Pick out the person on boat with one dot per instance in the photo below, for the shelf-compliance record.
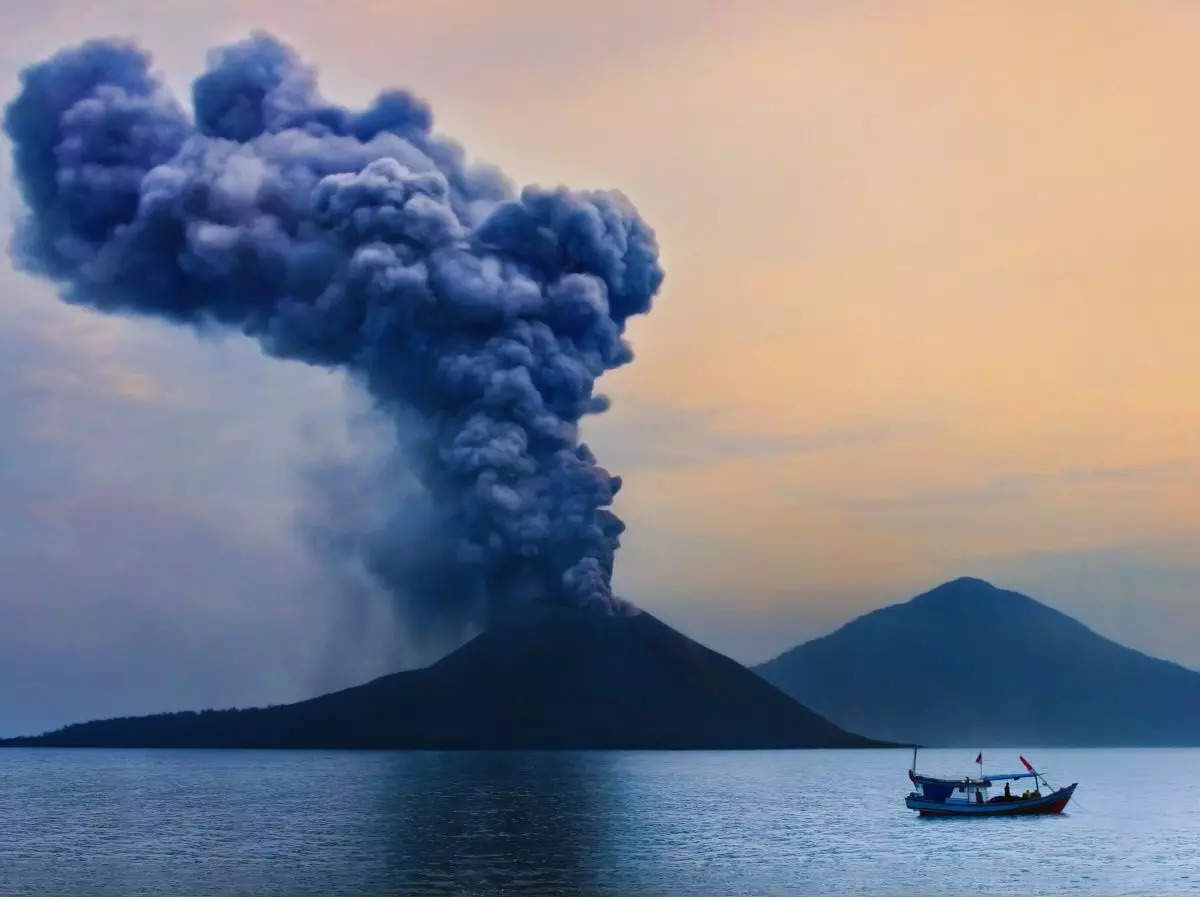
(1007, 791)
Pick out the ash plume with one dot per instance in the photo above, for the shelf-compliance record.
(478, 318)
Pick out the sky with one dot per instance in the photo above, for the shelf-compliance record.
(930, 311)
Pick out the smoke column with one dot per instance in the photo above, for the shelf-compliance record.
(477, 318)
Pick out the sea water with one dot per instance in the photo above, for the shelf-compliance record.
(765, 822)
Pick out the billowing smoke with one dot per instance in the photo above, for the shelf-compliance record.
(477, 318)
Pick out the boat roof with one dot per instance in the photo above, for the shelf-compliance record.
(957, 782)
(985, 781)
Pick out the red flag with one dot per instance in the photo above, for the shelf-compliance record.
(1026, 762)
(979, 759)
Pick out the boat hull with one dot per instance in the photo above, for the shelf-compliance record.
(1051, 804)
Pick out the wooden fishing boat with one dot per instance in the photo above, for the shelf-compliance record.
(969, 796)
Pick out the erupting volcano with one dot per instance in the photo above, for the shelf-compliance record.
(477, 317)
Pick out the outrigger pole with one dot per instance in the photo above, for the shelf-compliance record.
(1037, 776)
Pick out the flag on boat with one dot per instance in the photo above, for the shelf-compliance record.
(1026, 763)
(979, 759)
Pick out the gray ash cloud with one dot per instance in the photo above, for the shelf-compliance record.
(477, 317)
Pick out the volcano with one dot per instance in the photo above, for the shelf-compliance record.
(970, 664)
(556, 679)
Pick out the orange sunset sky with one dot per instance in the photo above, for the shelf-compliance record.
(931, 309)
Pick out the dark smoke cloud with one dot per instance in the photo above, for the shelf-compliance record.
(477, 318)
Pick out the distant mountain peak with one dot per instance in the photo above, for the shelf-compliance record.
(968, 591)
(967, 597)
(963, 583)
(969, 663)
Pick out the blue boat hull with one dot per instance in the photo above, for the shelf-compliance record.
(1050, 804)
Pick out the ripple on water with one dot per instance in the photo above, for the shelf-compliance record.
(770, 822)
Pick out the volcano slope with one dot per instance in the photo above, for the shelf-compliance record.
(557, 679)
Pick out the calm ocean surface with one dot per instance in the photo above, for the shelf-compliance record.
(801, 822)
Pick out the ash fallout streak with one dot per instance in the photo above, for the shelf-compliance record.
(477, 317)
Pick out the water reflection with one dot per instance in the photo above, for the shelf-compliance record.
(486, 823)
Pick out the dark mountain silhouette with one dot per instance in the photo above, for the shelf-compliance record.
(559, 679)
(968, 664)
